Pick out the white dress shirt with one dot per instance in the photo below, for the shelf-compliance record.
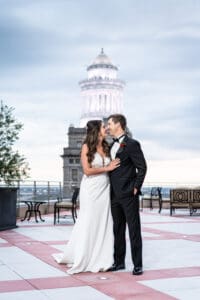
(115, 147)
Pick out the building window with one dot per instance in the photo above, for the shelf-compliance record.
(79, 144)
(77, 161)
(71, 161)
(74, 175)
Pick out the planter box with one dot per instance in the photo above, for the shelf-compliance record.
(8, 201)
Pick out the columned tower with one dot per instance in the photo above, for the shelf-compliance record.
(102, 92)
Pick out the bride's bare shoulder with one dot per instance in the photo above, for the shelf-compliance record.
(84, 148)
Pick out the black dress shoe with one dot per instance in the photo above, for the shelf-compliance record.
(137, 271)
(116, 267)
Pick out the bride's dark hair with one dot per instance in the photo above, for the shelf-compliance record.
(92, 138)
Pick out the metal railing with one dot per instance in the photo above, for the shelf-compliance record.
(167, 186)
(49, 191)
(37, 190)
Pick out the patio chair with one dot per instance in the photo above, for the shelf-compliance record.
(65, 204)
(195, 200)
(179, 198)
(156, 195)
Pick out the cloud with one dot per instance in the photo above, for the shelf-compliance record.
(173, 172)
(47, 45)
(169, 124)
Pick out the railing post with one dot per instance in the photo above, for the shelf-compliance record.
(60, 189)
(18, 191)
(18, 199)
(34, 190)
(48, 195)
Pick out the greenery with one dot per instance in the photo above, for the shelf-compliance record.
(13, 166)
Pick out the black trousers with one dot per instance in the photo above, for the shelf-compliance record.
(126, 210)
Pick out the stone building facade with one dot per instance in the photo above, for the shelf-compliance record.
(72, 170)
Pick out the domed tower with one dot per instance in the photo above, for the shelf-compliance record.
(102, 92)
(102, 95)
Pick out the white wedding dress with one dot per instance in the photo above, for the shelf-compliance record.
(91, 244)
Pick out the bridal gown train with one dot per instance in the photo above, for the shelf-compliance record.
(91, 244)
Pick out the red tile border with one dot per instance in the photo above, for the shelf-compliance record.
(95, 278)
(98, 278)
(2, 245)
(14, 286)
(120, 285)
(39, 284)
(123, 285)
(52, 243)
(55, 282)
(130, 290)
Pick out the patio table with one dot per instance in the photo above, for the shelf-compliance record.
(33, 208)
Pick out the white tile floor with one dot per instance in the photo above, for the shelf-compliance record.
(168, 254)
(181, 288)
(24, 295)
(13, 254)
(59, 247)
(57, 233)
(76, 293)
(2, 241)
(149, 234)
(7, 274)
(182, 228)
(164, 217)
(36, 270)
(80, 293)
(26, 265)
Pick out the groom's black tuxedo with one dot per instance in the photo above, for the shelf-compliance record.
(124, 204)
(132, 168)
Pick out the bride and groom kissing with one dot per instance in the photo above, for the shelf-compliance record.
(109, 199)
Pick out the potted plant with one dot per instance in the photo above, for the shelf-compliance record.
(13, 166)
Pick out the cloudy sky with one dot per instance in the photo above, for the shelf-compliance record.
(45, 47)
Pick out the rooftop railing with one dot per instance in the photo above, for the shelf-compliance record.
(48, 191)
(167, 186)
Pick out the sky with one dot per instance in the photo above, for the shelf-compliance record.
(46, 46)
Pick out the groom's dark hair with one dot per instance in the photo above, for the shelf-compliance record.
(117, 118)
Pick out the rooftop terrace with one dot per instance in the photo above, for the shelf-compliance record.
(171, 262)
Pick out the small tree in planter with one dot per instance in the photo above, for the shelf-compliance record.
(13, 166)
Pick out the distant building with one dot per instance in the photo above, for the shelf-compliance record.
(102, 95)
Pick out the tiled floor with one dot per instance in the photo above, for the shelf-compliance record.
(171, 251)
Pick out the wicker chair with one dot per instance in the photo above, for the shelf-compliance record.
(180, 198)
(195, 200)
(66, 205)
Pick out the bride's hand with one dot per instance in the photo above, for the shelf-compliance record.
(113, 164)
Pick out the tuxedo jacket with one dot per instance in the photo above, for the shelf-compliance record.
(131, 172)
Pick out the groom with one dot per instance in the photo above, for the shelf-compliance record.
(126, 182)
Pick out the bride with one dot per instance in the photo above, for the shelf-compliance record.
(91, 244)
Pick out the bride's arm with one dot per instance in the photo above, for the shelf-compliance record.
(88, 170)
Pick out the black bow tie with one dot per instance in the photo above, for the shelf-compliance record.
(117, 139)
